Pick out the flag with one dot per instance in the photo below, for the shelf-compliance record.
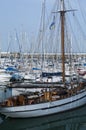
(52, 26)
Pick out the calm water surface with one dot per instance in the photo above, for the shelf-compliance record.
(73, 120)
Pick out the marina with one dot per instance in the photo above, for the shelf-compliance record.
(46, 85)
(62, 89)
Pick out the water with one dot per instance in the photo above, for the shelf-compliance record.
(72, 120)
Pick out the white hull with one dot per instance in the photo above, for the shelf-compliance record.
(43, 109)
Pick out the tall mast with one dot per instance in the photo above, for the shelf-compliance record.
(62, 16)
(43, 31)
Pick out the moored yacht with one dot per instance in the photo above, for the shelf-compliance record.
(53, 97)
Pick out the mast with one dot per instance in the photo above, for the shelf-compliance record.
(43, 33)
(62, 16)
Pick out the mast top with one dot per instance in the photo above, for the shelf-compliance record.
(62, 5)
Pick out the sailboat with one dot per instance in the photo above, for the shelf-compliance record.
(53, 98)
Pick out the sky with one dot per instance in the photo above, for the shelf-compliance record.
(23, 15)
(18, 14)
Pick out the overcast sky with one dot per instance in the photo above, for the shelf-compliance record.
(17, 14)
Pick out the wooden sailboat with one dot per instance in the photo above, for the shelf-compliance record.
(53, 98)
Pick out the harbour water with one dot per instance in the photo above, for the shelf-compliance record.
(71, 120)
